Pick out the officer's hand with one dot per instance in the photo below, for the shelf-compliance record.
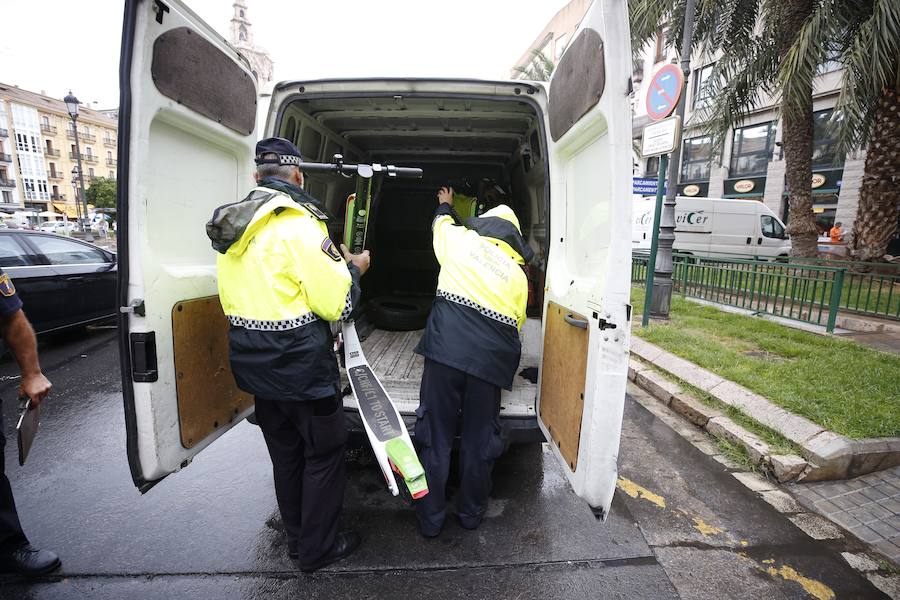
(445, 195)
(35, 386)
(361, 260)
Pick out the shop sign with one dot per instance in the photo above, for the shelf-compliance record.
(691, 190)
(818, 180)
(744, 185)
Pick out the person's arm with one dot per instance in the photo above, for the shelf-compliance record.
(19, 336)
(446, 234)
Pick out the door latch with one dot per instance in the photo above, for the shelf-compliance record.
(604, 324)
(136, 307)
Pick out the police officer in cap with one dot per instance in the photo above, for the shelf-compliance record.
(281, 281)
(472, 349)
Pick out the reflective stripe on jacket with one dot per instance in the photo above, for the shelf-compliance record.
(281, 280)
(480, 303)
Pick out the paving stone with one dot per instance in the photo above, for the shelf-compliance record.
(754, 482)
(886, 530)
(845, 520)
(659, 387)
(844, 503)
(860, 562)
(816, 527)
(692, 409)
(866, 534)
(891, 505)
(782, 501)
(892, 551)
(827, 507)
(687, 371)
(787, 467)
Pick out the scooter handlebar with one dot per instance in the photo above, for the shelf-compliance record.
(362, 170)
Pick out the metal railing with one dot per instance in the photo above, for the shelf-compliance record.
(90, 158)
(9, 183)
(82, 136)
(5, 157)
(813, 293)
(57, 196)
(111, 162)
(48, 129)
(55, 175)
(109, 141)
(4, 132)
(53, 152)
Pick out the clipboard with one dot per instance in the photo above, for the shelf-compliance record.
(27, 427)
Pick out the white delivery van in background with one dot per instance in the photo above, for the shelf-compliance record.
(716, 227)
(560, 153)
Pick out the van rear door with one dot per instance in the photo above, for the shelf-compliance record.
(187, 127)
(587, 312)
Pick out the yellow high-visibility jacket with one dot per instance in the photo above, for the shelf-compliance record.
(281, 280)
(482, 295)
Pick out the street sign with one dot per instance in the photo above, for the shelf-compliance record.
(664, 91)
(661, 137)
(644, 185)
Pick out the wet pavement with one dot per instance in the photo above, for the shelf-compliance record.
(681, 525)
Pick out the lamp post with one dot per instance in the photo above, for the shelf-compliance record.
(72, 106)
(75, 194)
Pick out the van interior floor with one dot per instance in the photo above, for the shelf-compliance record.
(391, 355)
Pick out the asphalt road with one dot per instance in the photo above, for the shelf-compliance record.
(685, 528)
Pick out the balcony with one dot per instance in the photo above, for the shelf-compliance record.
(51, 152)
(7, 183)
(109, 141)
(5, 157)
(111, 162)
(48, 129)
(55, 175)
(88, 158)
(82, 136)
(58, 197)
(4, 132)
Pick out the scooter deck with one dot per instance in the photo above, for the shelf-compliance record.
(383, 424)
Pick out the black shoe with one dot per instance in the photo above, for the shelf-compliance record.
(344, 545)
(28, 561)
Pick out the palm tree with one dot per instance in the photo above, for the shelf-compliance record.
(540, 68)
(865, 36)
(753, 37)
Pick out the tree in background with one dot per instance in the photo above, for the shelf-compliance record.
(102, 193)
(864, 35)
(540, 69)
(754, 36)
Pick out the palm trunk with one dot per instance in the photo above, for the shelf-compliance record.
(797, 140)
(879, 195)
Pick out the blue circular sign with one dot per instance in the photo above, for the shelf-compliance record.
(664, 91)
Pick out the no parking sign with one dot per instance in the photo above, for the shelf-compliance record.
(664, 91)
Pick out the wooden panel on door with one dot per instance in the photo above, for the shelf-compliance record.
(563, 375)
(207, 395)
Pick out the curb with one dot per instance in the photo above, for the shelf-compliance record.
(828, 455)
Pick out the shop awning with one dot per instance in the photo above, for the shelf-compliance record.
(70, 210)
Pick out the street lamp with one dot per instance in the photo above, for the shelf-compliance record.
(72, 106)
(75, 194)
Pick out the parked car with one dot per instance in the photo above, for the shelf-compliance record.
(62, 282)
(61, 227)
(560, 154)
(718, 227)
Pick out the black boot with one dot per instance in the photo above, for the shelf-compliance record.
(344, 545)
(28, 561)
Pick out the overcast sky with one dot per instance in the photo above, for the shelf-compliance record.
(306, 39)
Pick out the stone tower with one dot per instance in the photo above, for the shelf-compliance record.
(242, 39)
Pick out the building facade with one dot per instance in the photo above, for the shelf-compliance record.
(37, 151)
(242, 39)
(751, 162)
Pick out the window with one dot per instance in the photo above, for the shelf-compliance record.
(771, 228)
(52, 169)
(108, 155)
(696, 159)
(559, 46)
(652, 169)
(752, 150)
(7, 196)
(701, 93)
(660, 53)
(12, 254)
(22, 142)
(87, 130)
(91, 172)
(112, 175)
(60, 251)
(89, 152)
(825, 140)
(243, 34)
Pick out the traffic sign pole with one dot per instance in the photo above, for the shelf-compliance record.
(654, 240)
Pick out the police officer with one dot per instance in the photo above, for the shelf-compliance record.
(471, 347)
(16, 553)
(281, 281)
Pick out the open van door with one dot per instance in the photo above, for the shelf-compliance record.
(587, 312)
(187, 128)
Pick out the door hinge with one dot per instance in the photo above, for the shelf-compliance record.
(604, 324)
(136, 307)
(160, 7)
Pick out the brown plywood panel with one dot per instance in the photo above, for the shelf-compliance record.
(208, 398)
(563, 374)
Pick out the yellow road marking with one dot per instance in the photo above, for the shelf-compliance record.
(704, 527)
(814, 588)
(636, 491)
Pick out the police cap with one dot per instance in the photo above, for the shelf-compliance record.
(286, 151)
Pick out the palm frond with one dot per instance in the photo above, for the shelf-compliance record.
(646, 17)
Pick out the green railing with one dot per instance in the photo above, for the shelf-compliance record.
(813, 293)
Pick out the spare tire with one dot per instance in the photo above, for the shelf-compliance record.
(399, 313)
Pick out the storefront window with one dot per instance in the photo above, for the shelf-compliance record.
(752, 150)
(825, 141)
(696, 159)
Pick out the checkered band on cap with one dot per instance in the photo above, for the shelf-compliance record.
(283, 325)
(487, 312)
(287, 159)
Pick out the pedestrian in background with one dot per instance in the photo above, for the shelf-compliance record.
(837, 233)
(281, 281)
(17, 555)
(472, 349)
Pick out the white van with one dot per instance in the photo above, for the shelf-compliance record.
(188, 127)
(720, 227)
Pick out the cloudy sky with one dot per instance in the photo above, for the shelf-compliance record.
(307, 39)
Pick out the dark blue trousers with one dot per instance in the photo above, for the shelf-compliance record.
(10, 529)
(451, 402)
